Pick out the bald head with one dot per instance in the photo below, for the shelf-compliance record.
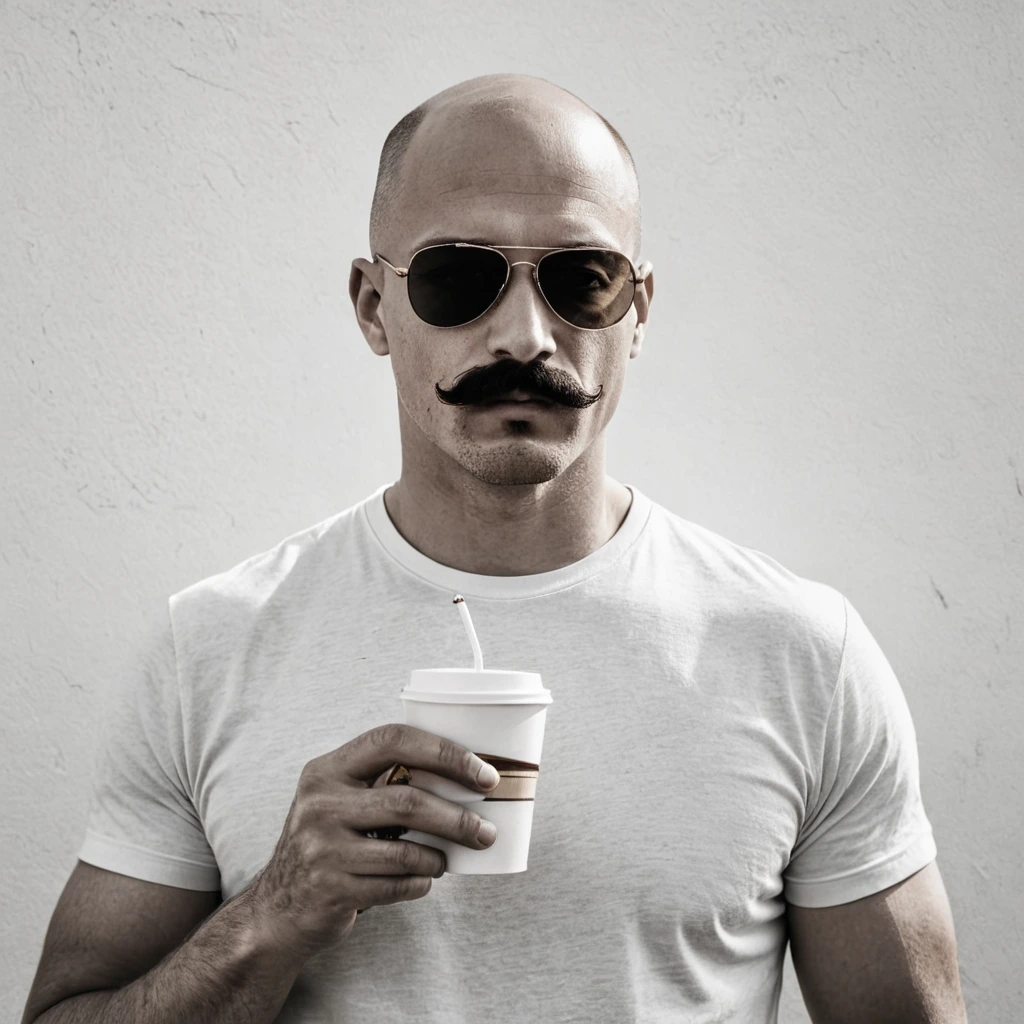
(515, 119)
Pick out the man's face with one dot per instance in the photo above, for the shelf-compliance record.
(553, 181)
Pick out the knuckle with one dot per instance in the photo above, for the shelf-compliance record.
(456, 759)
(398, 887)
(387, 737)
(309, 775)
(401, 856)
(404, 799)
(469, 823)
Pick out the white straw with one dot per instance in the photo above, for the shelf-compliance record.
(478, 658)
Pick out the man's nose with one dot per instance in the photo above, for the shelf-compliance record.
(522, 323)
(521, 306)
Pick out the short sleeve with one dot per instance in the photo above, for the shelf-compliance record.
(142, 821)
(867, 829)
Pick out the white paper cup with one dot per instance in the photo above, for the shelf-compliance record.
(500, 716)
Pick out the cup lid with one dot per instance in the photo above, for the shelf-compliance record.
(468, 686)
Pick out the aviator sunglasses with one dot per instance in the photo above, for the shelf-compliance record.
(455, 283)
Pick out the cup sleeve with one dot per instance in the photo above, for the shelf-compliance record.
(142, 821)
(866, 826)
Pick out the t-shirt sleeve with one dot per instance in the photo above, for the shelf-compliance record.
(867, 828)
(142, 821)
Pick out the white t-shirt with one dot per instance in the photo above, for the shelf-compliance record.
(764, 752)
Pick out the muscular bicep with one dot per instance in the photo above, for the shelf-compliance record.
(888, 957)
(109, 929)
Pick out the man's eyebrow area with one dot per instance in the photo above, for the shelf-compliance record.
(487, 241)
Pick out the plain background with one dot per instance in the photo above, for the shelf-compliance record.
(832, 373)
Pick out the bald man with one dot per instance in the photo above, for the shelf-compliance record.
(729, 761)
(489, 489)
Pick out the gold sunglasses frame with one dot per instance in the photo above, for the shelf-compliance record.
(548, 251)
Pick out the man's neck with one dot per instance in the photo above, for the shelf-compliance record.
(486, 533)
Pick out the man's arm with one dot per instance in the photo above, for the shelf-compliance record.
(228, 971)
(889, 958)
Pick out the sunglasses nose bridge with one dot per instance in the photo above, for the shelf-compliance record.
(512, 266)
(533, 274)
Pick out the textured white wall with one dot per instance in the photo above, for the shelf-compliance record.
(833, 371)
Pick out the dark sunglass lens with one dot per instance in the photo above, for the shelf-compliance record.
(449, 286)
(590, 288)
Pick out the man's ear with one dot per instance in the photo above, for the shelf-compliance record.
(364, 283)
(644, 296)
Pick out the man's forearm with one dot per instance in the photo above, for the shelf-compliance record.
(226, 972)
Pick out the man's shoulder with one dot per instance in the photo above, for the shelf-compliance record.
(740, 580)
(239, 592)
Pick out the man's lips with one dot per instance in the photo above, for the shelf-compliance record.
(517, 397)
(521, 409)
